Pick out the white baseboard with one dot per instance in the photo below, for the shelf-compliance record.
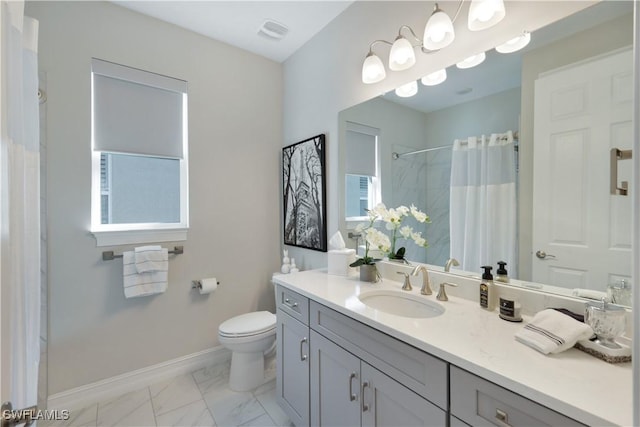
(88, 394)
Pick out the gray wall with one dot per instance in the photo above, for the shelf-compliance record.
(601, 39)
(235, 136)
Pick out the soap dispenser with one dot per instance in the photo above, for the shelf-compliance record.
(501, 272)
(487, 297)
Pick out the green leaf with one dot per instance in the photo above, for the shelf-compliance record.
(358, 262)
(400, 252)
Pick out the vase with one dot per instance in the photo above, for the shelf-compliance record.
(368, 273)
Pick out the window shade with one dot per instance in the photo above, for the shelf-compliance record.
(361, 154)
(136, 111)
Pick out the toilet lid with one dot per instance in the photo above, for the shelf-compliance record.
(248, 324)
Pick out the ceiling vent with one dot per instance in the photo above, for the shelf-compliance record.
(273, 30)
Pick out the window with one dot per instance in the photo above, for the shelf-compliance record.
(362, 179)
(139, 155)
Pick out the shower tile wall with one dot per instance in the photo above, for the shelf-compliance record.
(42, 369)
(423, 179)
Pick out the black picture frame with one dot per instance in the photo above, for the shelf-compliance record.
(304, 194)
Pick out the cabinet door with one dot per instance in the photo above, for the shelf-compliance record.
(292, 384)
(335, 384)
(386, 402)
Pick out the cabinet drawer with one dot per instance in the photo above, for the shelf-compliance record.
(479, 402)
(293, 304)
(424, 374)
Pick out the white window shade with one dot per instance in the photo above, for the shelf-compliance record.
(136, 111)
(361, 154)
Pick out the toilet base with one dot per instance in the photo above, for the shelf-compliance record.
(247, 371)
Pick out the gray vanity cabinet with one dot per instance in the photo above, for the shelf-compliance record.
(292, 383)
(346, 391)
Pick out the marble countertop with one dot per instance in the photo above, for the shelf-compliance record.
(572, 383)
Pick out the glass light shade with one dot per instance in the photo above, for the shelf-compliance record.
(410, 89)
(402, 56)
(485, 14)
(472, 61)
(373, 69)
(515, 43)
(435, 78)
(438, 33)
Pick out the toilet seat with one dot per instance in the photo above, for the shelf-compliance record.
(249, 324)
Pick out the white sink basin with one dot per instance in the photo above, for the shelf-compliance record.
(401, 303)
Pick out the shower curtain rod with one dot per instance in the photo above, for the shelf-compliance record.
(396, 156)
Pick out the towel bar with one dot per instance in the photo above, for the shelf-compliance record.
(110, 256)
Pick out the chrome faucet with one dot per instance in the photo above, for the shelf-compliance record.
(407, 283)
(450, 262)
(426, 284)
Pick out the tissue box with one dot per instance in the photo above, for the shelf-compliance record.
(339, 260)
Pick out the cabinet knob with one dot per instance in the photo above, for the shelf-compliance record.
(365, 407)
(303, 356)
(352, 395)
(503, 417)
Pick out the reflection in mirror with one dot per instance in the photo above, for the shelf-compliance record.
(568, 97)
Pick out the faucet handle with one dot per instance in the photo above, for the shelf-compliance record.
(407, 284)
(442, 295)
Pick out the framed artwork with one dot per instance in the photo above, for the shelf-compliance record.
(304, 194)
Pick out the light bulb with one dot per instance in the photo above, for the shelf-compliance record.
(438, 33)
(472, 61)
(407, 90)
(402, 56)
(484, 14)
(373, 69)
(434, 78)
(515, 43)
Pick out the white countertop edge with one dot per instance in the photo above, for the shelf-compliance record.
(573, 410)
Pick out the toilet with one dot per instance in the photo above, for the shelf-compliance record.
(250, 337)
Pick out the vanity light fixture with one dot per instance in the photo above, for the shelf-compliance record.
(435, 78)
(373, 69)
(407, 90)
(484, 14)
(472, 61)
(515, 43)
(438, 34)
(402, 56)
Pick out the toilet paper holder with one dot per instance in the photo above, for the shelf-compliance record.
(197, 284)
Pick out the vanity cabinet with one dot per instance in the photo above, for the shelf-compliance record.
(292, 361)
(346, 391)
(479, 402)
(360, 376)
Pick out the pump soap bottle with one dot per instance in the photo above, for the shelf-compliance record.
(501, 272)
(487, 299)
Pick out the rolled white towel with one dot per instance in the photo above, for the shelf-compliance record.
(590, 294)
(553, 332)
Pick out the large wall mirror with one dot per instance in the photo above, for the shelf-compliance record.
(567, 99)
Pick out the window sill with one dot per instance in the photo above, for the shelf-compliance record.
(132, 237)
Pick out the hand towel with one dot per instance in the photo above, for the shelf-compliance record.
(590, 294)
(141, 284)
(553, 332)
(151, 258)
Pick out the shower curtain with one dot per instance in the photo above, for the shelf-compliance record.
(482, 210)
(20, 200)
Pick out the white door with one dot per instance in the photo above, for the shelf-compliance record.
(581, 113)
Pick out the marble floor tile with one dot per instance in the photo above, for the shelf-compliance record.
(85, 417)
(230, 408)
(193, 414)
(268, 401)
(130, 409)
(212, 377)
(174, 393)
(262, 421)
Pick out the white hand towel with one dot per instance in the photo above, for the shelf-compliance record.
(589, 293)
(151, 258)
(553, 332)
(141, 284)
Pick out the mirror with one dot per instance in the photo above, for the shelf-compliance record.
(499, 96)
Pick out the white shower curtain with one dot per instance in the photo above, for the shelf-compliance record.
(20, 200)
(482, 211)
